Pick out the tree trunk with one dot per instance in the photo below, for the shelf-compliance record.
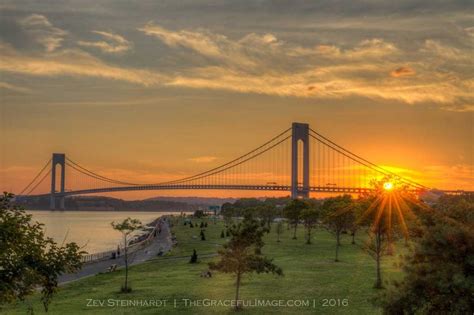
(237, 284)
(294, 231)
(337, 247)
(126, 264)
(308, 240)
(353, 237)
(378, 240)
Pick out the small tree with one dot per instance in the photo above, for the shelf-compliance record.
(292, 212)
(127, 227)
(279, 230)
(191, 225)
(203, 236)
(239, 256)
(194, 257)
(338, 216)
(310, 219)
(267, 214)
(29, 259)
(222, 234)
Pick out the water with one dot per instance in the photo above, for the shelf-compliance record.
(90, 229)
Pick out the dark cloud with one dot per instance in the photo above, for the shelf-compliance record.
(402, 72)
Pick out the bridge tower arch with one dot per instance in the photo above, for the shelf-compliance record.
(58, 159)
(300, 186)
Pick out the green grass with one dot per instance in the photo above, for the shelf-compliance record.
(310, 273)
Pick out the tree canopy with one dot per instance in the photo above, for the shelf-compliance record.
(29, 259)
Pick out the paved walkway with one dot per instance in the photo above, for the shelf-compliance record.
(162, 241)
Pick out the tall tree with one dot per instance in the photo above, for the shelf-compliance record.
(386, 213)
(292, 212)
(239, 256)
(29, 259)
(338, 216)
(439, 271)
(127, 227)
(310, 218)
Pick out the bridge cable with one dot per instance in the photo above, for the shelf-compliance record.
(226, 164)
(368, 164)
(42, 179)
(36, 177)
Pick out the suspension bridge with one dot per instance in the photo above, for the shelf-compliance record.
(298, 160)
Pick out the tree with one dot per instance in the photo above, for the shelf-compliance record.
(439, 270)
(385, 212)
(279, 230)
(222, 234)
(310, 218)
(239, 256)
(338, 216)
(194, 257)
(198, 214)
(203, 236)
(292, 212)
(227, 212)
(267, 214)
(29, 259)
(127, 227)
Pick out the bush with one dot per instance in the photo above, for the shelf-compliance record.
(194, 257)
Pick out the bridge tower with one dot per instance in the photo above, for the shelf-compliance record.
(300, 186)
(58, 158)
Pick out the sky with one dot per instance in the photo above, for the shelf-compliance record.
(152, 90)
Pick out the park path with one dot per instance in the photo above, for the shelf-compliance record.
(162, 242)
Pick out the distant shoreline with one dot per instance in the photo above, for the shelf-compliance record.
(114, 210)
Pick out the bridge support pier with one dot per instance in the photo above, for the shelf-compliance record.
(300, 186)
(58, 158)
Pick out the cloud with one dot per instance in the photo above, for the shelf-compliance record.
(117, 44)
(43, 32)
(200, 42)
(203, 159)
(11, 87)
(265, 64)
(72, 63)
(402, 72)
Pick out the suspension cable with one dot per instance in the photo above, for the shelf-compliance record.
(36, 177)
(364, 162)
(42, 179)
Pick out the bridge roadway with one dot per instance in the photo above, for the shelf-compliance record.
(329, 189)
(315, 189)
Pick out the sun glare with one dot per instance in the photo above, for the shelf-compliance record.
(388, 186)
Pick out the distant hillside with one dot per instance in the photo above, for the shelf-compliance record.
(209, 201)
(100, 203)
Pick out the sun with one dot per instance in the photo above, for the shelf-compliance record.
(388, 186)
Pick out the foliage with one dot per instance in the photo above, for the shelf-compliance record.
(292, 212)
(267, 213)
(338, 216)
(194, 257)
(28, 258)
(310, 218)
(439, 272)
(239, 256)
(127, 227)
(198, 214)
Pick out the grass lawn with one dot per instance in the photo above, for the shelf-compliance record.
(310, 274)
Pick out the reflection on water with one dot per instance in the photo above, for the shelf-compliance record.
(90, 229)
